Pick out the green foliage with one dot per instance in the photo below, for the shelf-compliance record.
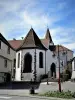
(66, 75)
(61, 94)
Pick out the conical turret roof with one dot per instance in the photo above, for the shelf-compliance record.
(31, 41)
(48, 36)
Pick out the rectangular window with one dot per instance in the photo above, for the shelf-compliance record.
(8, 51)
(18, 60)
(0, 44)
(5, 63)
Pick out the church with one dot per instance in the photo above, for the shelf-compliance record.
(37, 57)
(34, 57)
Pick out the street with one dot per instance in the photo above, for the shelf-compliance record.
(6, 97)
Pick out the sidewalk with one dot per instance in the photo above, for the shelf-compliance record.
(17, 93)
(42, 89)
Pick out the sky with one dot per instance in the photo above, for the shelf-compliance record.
(18, 16)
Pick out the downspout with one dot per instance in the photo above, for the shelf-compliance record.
(35, 66)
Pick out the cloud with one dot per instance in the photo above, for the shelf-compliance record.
(70, 45)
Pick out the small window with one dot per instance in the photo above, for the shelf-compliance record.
(18, 60)
(40, 60)
(8, 50)
(5, 63)
(0, 44)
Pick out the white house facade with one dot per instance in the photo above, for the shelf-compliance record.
(7, 56)
(73, 68)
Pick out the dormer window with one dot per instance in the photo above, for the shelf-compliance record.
(8, 50)
(0, 44)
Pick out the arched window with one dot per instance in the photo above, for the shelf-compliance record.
(40, 60)
(27, 63)
(18, 60)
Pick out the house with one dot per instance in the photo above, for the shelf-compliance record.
(65, 55)
(36, 57)
(7, 59)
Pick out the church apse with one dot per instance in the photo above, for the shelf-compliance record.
(27, 63)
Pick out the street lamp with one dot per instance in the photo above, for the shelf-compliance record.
(59, 82)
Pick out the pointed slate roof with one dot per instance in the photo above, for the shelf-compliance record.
(48, 36)
(31, 41)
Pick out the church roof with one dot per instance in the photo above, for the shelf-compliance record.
(31, 41)
(5, 41)
(48, 36)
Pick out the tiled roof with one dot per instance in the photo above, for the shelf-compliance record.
(31, 41)
(5, 41)
(15, 43)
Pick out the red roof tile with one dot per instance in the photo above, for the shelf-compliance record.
(15, 43)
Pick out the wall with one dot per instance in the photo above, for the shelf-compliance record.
(65, 57)
(18, 70)
(39, 71)
(9, 57)
(2, 67)
(73, 69)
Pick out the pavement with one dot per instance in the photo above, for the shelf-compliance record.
(43, 87)
(2, 97)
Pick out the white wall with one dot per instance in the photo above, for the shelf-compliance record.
(9, 57)
(39, 71)
(73, 69)
(26, 76)
(49, 60)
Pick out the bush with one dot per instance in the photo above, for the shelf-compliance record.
(58, 94)
(66, 75)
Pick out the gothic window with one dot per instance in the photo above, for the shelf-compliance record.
(40, 60)
(27, 63)
(18, 60)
